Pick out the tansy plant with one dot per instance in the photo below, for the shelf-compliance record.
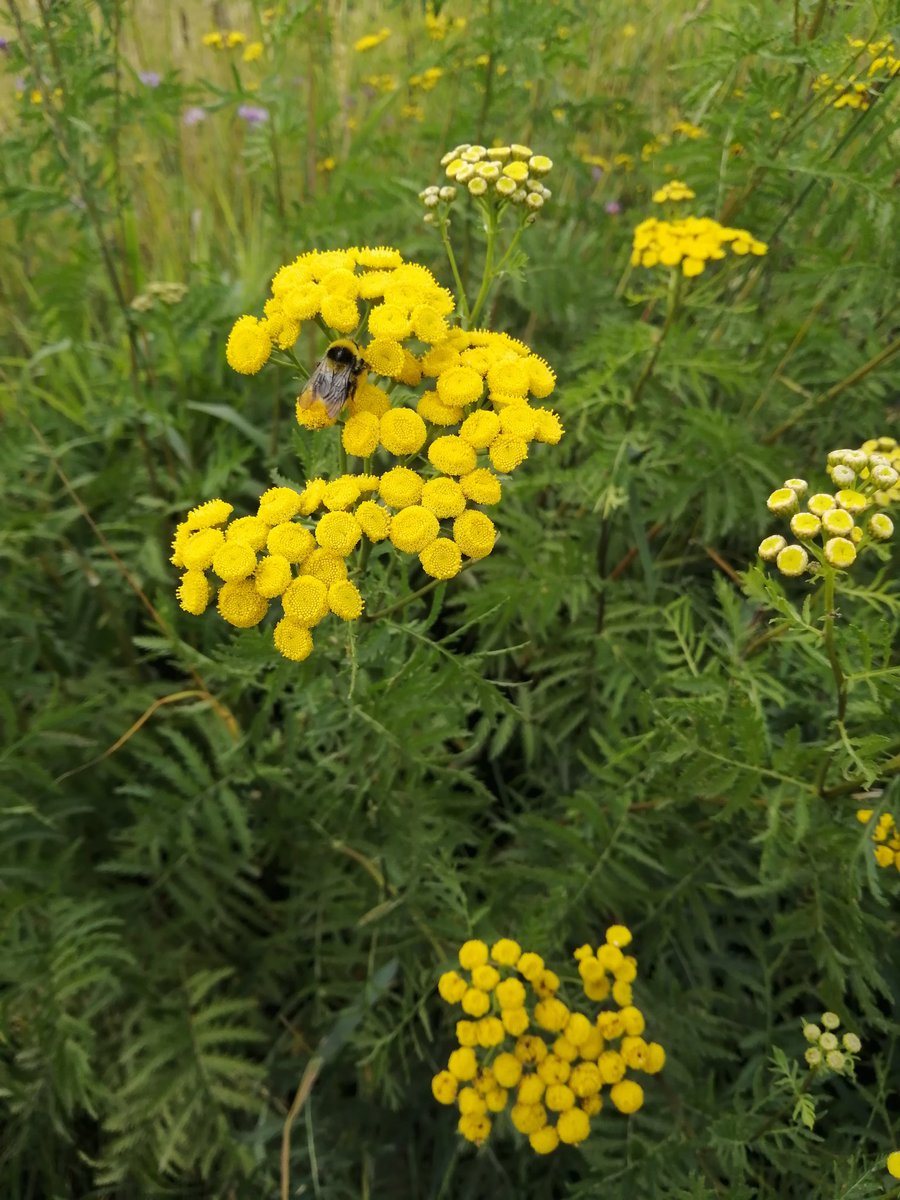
(526, 1053)
(432, 418)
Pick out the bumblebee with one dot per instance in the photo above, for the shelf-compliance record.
(338, 374)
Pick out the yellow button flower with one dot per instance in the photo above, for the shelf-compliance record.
(452, 455)
(528, 1118)
(234, 560)
(627, 1096)
(414, 528)
(325, 565)
(444, 497)
(213, 512)
(338, 531)
(374, 520)
(193, 592)
(251, 530)
(475, 535)
(200, 549)
(458, 386)
(400, 487)
(241, 605)
(249, 346)
(490, 1032)
(360, 434)
(443, 1087)
(279, 504)
(506, 952)
(480, 428)
(573, 1126)
(546, 1140)
(451, 987)
(272, 575)
(510, 993)
(291, 541)
(431, 408)
(462, 1064)
(306, 600)
(292, 639)
(792, 561)
(341, 493)
(840, 552)
(345, 601)
(515, 1021)
(507, 452)
(402, 431)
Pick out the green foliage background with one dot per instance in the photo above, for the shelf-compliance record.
(216, 868)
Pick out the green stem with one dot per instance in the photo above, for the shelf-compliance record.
(487, 277)
(402, 603)
(451, 258)
(672, 299)
(840, 682)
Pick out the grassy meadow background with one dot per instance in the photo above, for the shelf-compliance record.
(222, 873)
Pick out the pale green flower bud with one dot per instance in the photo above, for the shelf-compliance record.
(830, 1020)
(769, 549)
(812, 1032)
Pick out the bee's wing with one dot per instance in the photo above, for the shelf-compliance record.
(330, 383)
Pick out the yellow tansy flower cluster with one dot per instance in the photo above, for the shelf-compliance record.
(438, 25)
(827, 530)
(886, 837)
(224, 40)
(454, 406)
(826, 1052)
(371, 40)
(861, 88)
(271, 556)
(690, 242)
(673, 192)
(524, 1049)
(498, 175)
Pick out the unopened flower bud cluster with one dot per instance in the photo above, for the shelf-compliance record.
(497, 175)
(835, 525)
(828, 1052)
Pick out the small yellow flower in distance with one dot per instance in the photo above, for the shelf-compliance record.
(272, 576)
(443, 1087)
(792, 561)
(481, 486)
(451, 455)
(805, 525)
(485, 977)
(893, 1164)
(474, 1127)
(452, 987)
(545, 1140)
(490, 1032)
(840, 552)
(360, 434)
(880, 527)
(655, 1059)
(531, 1049)
(506, 952)
(306, 600)
(213, 40)
(621, 993)
(611, 1066)
(515, 1021)
(618, 935)
(632, 1020)
(853, 502)
(200, 548)
(279, 504)
(559, 1097)
(473, 954)
(462, 1064)
(338, 531)
(193, 593)
(374, 520)
(530, 965)
(585, 1079)
(213, 512)
(458, 386)
(554, 1069)
(782, 501)
(884, 856)
(507, 452)
(241, 605)
(248, 347)
(609, 957)
(402, 431)
(627, 1096)
(291, 541)
(627, 971)
(234, 560)
(345, 601)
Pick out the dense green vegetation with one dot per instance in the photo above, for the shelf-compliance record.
(225, 876)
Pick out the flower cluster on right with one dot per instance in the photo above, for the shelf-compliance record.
(523, 1048)
(828, 530)
(885, 835)
(855, 91)
(825, 1053)
(689, 242)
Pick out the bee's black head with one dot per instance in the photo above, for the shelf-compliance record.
(344, 354)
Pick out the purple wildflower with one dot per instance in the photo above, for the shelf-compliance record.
(193, 116)
(596, 173)
(150, 78)
(253, 114)
(613, 207)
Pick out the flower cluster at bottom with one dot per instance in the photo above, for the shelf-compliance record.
(825, 1053)
(533, 1054)
(886, 837)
